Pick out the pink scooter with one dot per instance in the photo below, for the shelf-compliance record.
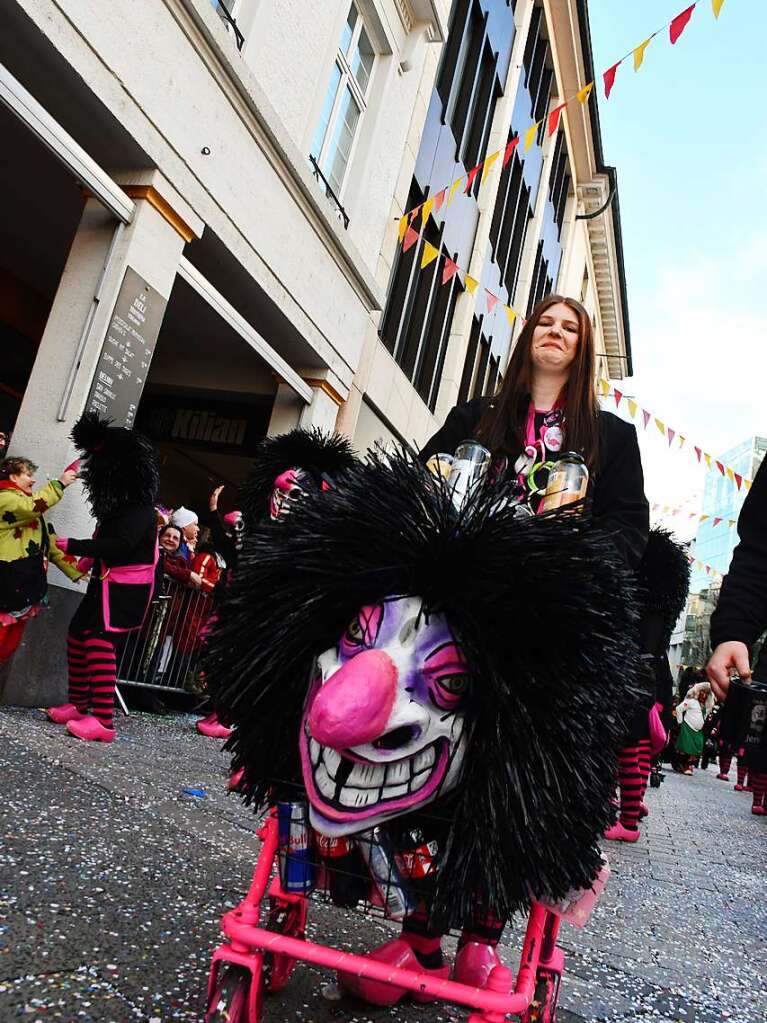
(264, 942)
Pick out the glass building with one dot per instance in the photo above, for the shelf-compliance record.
(714, 544)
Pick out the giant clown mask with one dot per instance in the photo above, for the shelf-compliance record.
(384, 729)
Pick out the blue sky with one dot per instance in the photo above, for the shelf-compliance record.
(688, 135)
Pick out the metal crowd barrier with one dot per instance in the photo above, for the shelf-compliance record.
(165, 653)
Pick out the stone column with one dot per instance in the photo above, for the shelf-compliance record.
(152, 245)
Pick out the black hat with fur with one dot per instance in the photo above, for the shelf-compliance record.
(120, 467)
(543, 609)
(319, 454)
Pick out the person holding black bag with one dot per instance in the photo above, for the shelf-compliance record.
(736, 624)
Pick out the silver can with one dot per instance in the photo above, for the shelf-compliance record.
(470, 465)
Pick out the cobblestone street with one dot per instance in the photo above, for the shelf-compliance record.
(113, 885)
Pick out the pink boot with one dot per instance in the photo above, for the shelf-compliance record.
(213, 728)
(723, 777)
(394, 953)
(474, 963)
(758, 810)
(643, 810)
(66, 712)
(617, 833)
(90, 729)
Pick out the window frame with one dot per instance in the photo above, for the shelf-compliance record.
(347, 80)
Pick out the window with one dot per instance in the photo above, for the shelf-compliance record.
(541, 284)
(559, 182)
(510, 219)
(481, 369)
(227, 10)
(416, 324)
(344, 102)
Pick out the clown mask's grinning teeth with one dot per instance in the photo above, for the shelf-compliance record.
(354, 785)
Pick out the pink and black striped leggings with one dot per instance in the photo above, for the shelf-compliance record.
(92, 674)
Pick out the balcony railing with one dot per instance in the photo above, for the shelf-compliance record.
(231, 24)
(334, 200)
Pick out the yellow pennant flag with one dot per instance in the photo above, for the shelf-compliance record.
(583, 95)
(530, 134)
(632, 408)
(708, 459)
(747, 484)
(730, 474)
(704, 517)
(731, 523)
(489, 161)
(639, 53)
(661, 426)
(426, 209)
(471, 283)
(604, 387)
(430, 253)
(402, 226)
(717, 5)
(681, 441)
(510, 315)
(453, 189)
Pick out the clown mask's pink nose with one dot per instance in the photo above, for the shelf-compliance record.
(353, 707)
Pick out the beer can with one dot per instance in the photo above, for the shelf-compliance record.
(295, 848)
(377, 851)
(418, 862)
(568, 482)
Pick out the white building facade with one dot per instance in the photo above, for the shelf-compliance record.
(237, 170)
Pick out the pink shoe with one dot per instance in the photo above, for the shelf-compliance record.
(474, 963)
(396, 953)
(90, 729)
(723, 777)
(643, 810)
(66, 712)
(213, 728)
(759, 811)
(739, 788)
(617, 833)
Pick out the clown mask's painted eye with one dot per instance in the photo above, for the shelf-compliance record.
(446, 676)
(455, 685)
(362, 631)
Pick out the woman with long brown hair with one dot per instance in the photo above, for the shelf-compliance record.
(547, 405)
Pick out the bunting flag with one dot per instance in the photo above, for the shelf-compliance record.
(737, 479)
(403, 222)
(554, 117)
(430, 253)
(666, 509)
(639, 53)
(411, 237)
(511, 145)
(530, 134)
(451, 269)
(676, 27)
(510, 315)
(489, 161)
(471, 283)
(609, 78)
(680, 23)
(491, 299)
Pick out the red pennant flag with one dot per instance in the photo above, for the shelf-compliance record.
(679, 24)
(618, 395)
(470, 179)
(698, 452)
(720, 467)
(451, 269)
(708, 569)
(671, 435)
(609, 78)
(646, 418)
(439, 198)
(554, 116)
(738, 480)
(491, 300)
(411, 237)
(510, 147)
(717, 521)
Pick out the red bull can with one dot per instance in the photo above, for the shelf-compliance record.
(295, 848)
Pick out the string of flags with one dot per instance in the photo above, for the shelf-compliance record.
(716, 520)
(671, 435)
(408, 236)
(703, 567)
